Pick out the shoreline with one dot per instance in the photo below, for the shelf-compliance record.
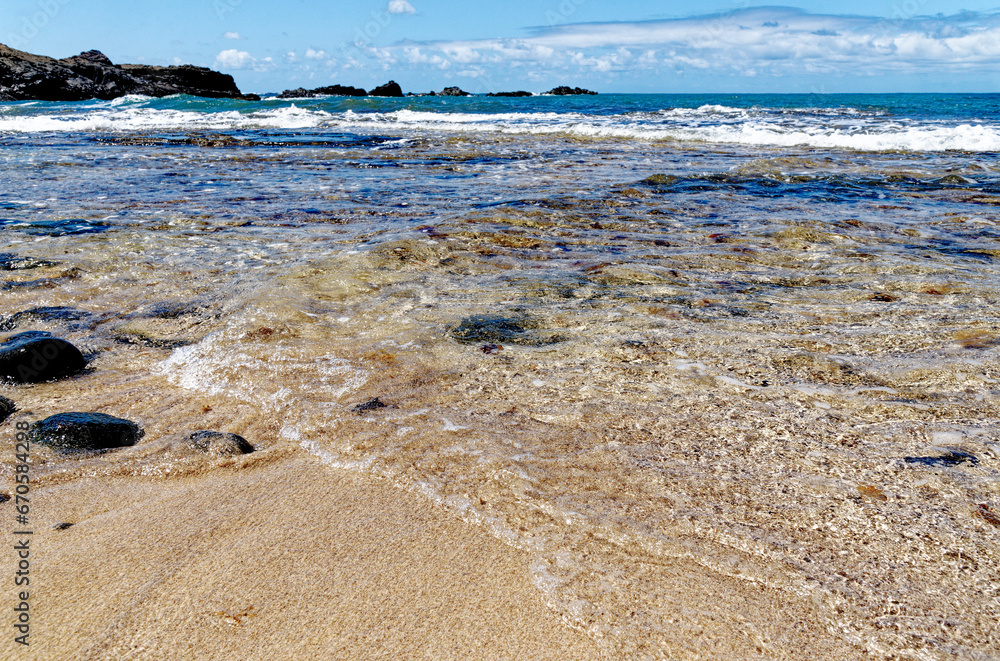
(287, 560)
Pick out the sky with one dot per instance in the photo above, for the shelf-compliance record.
(725, 46)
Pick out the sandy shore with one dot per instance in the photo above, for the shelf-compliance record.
(291, 560)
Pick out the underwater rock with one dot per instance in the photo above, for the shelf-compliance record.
(370, 405)
(497, 329)
(84, 431)
(951, 458)
(219, 444)
(6, 408)
(53, 313)
(11, 262)
(36, 356)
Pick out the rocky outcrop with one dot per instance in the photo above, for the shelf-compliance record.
(91, 75)
(391, 88)
(563, 90)
(513, 94)
(453, 91)
(334, 90)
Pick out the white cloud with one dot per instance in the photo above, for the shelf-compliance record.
(233, 59)
(772, 41)
(401, 7)
(315, 54)
(231, 35)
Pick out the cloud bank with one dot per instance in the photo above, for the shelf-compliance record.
(763, 41)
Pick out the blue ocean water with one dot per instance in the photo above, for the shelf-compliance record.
(626, 334)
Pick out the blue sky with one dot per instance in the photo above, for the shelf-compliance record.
(485, 45)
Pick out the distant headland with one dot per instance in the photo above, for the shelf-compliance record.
(92, 75)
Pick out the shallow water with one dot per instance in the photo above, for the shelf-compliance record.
(614, 352)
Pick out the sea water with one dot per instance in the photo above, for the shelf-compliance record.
(627, 334)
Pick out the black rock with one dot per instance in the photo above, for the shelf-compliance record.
(512, 94)
(91, 75)
(219, 443)
(563, 90)
(391, 88)
(370, 405)
(335, 90)
(6, 408)
(951, 458)
(453, 91)
(84, 431)
(35, 356)
(55, 313)
(11, 262)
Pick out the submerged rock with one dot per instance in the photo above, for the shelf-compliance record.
(391, 88)
(950, 458)
(497, 329)
(85, 431)
(370, 405)
(54, 313)
(36, 356)
(11, 262)
(6, 408)
(219, 444)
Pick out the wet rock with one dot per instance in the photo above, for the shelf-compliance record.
(35, 356)
(54, 313)
(219, 444)
(370, 405)
(391, 88)
(11, 262)
(497, 329)
(84, 431)
(951, 458)
(564, 90)
(453, 91)
(6, 408)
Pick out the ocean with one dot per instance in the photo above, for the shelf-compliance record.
(757, 333)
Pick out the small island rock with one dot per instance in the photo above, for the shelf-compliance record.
(391, 88)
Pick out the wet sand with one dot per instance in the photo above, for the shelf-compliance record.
(294, 561)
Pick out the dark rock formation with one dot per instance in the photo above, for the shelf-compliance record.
(370, 405)
(219, 444)
(391, 88)
(453, 91)
(335, 90)
(6, 408)
(91, 75)
(518, 93)
(35, 356)
(84, 431)
(11, 262)
(563, 90)
(55, 313)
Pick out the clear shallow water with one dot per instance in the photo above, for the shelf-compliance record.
(756, 334)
